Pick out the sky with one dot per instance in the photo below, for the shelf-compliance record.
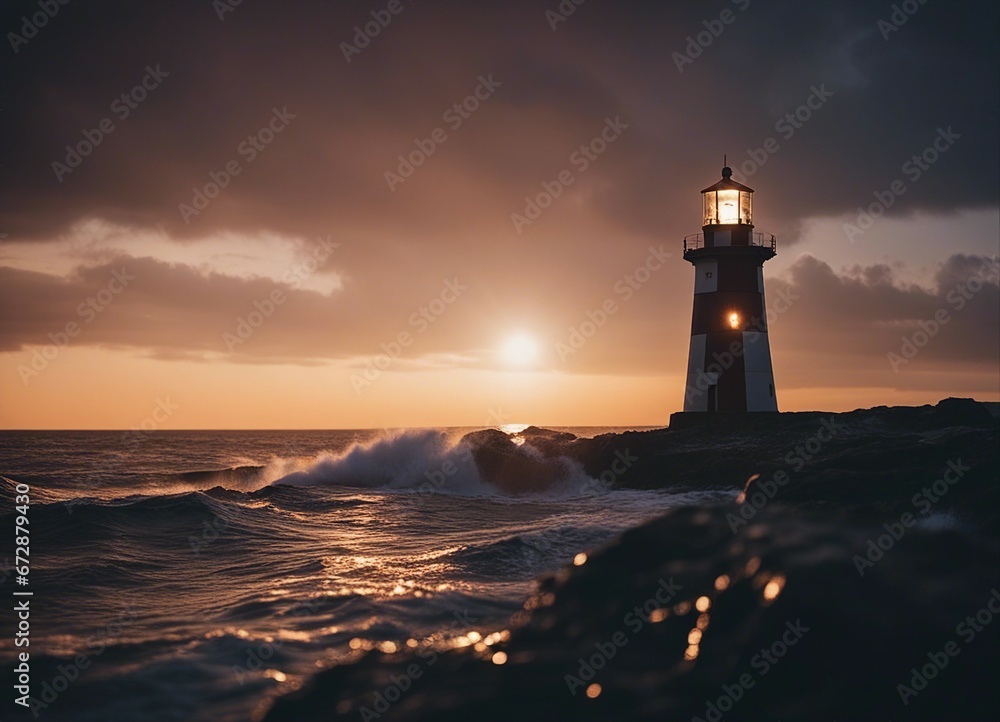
(389, 214)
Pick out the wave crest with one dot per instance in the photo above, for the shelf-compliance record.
(426, 460)
(479, 464)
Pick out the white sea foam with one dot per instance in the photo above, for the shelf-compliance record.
(430, 461)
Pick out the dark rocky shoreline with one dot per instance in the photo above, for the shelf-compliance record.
(878, 458)
(834, 599)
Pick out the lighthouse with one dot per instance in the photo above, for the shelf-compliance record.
(729, 361)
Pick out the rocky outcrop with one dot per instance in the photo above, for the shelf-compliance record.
(517, 468)
(880, 458)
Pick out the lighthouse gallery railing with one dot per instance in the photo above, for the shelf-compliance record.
(697, 240)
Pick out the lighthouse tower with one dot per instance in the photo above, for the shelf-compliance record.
(729, 362)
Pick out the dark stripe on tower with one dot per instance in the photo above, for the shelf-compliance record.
(736, 274)
(732, 383)
(711, 311)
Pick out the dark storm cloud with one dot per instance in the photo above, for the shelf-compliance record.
(890, 95)
(173, 312)
(866, 313)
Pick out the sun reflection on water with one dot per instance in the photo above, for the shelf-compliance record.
(513, 428)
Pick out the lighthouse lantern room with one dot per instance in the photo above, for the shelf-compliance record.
(729, 360)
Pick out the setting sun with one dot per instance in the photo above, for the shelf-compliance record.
(520, 350)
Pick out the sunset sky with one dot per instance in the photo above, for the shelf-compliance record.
(384, 294)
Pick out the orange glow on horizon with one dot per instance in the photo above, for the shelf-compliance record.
(87, 388)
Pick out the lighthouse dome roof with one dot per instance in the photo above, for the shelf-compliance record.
(727, 183)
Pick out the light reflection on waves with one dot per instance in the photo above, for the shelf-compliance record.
(223, 577)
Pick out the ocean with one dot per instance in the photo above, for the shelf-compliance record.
(196, 575)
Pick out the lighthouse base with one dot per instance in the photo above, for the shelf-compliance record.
(730, 371)
(724, 420)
